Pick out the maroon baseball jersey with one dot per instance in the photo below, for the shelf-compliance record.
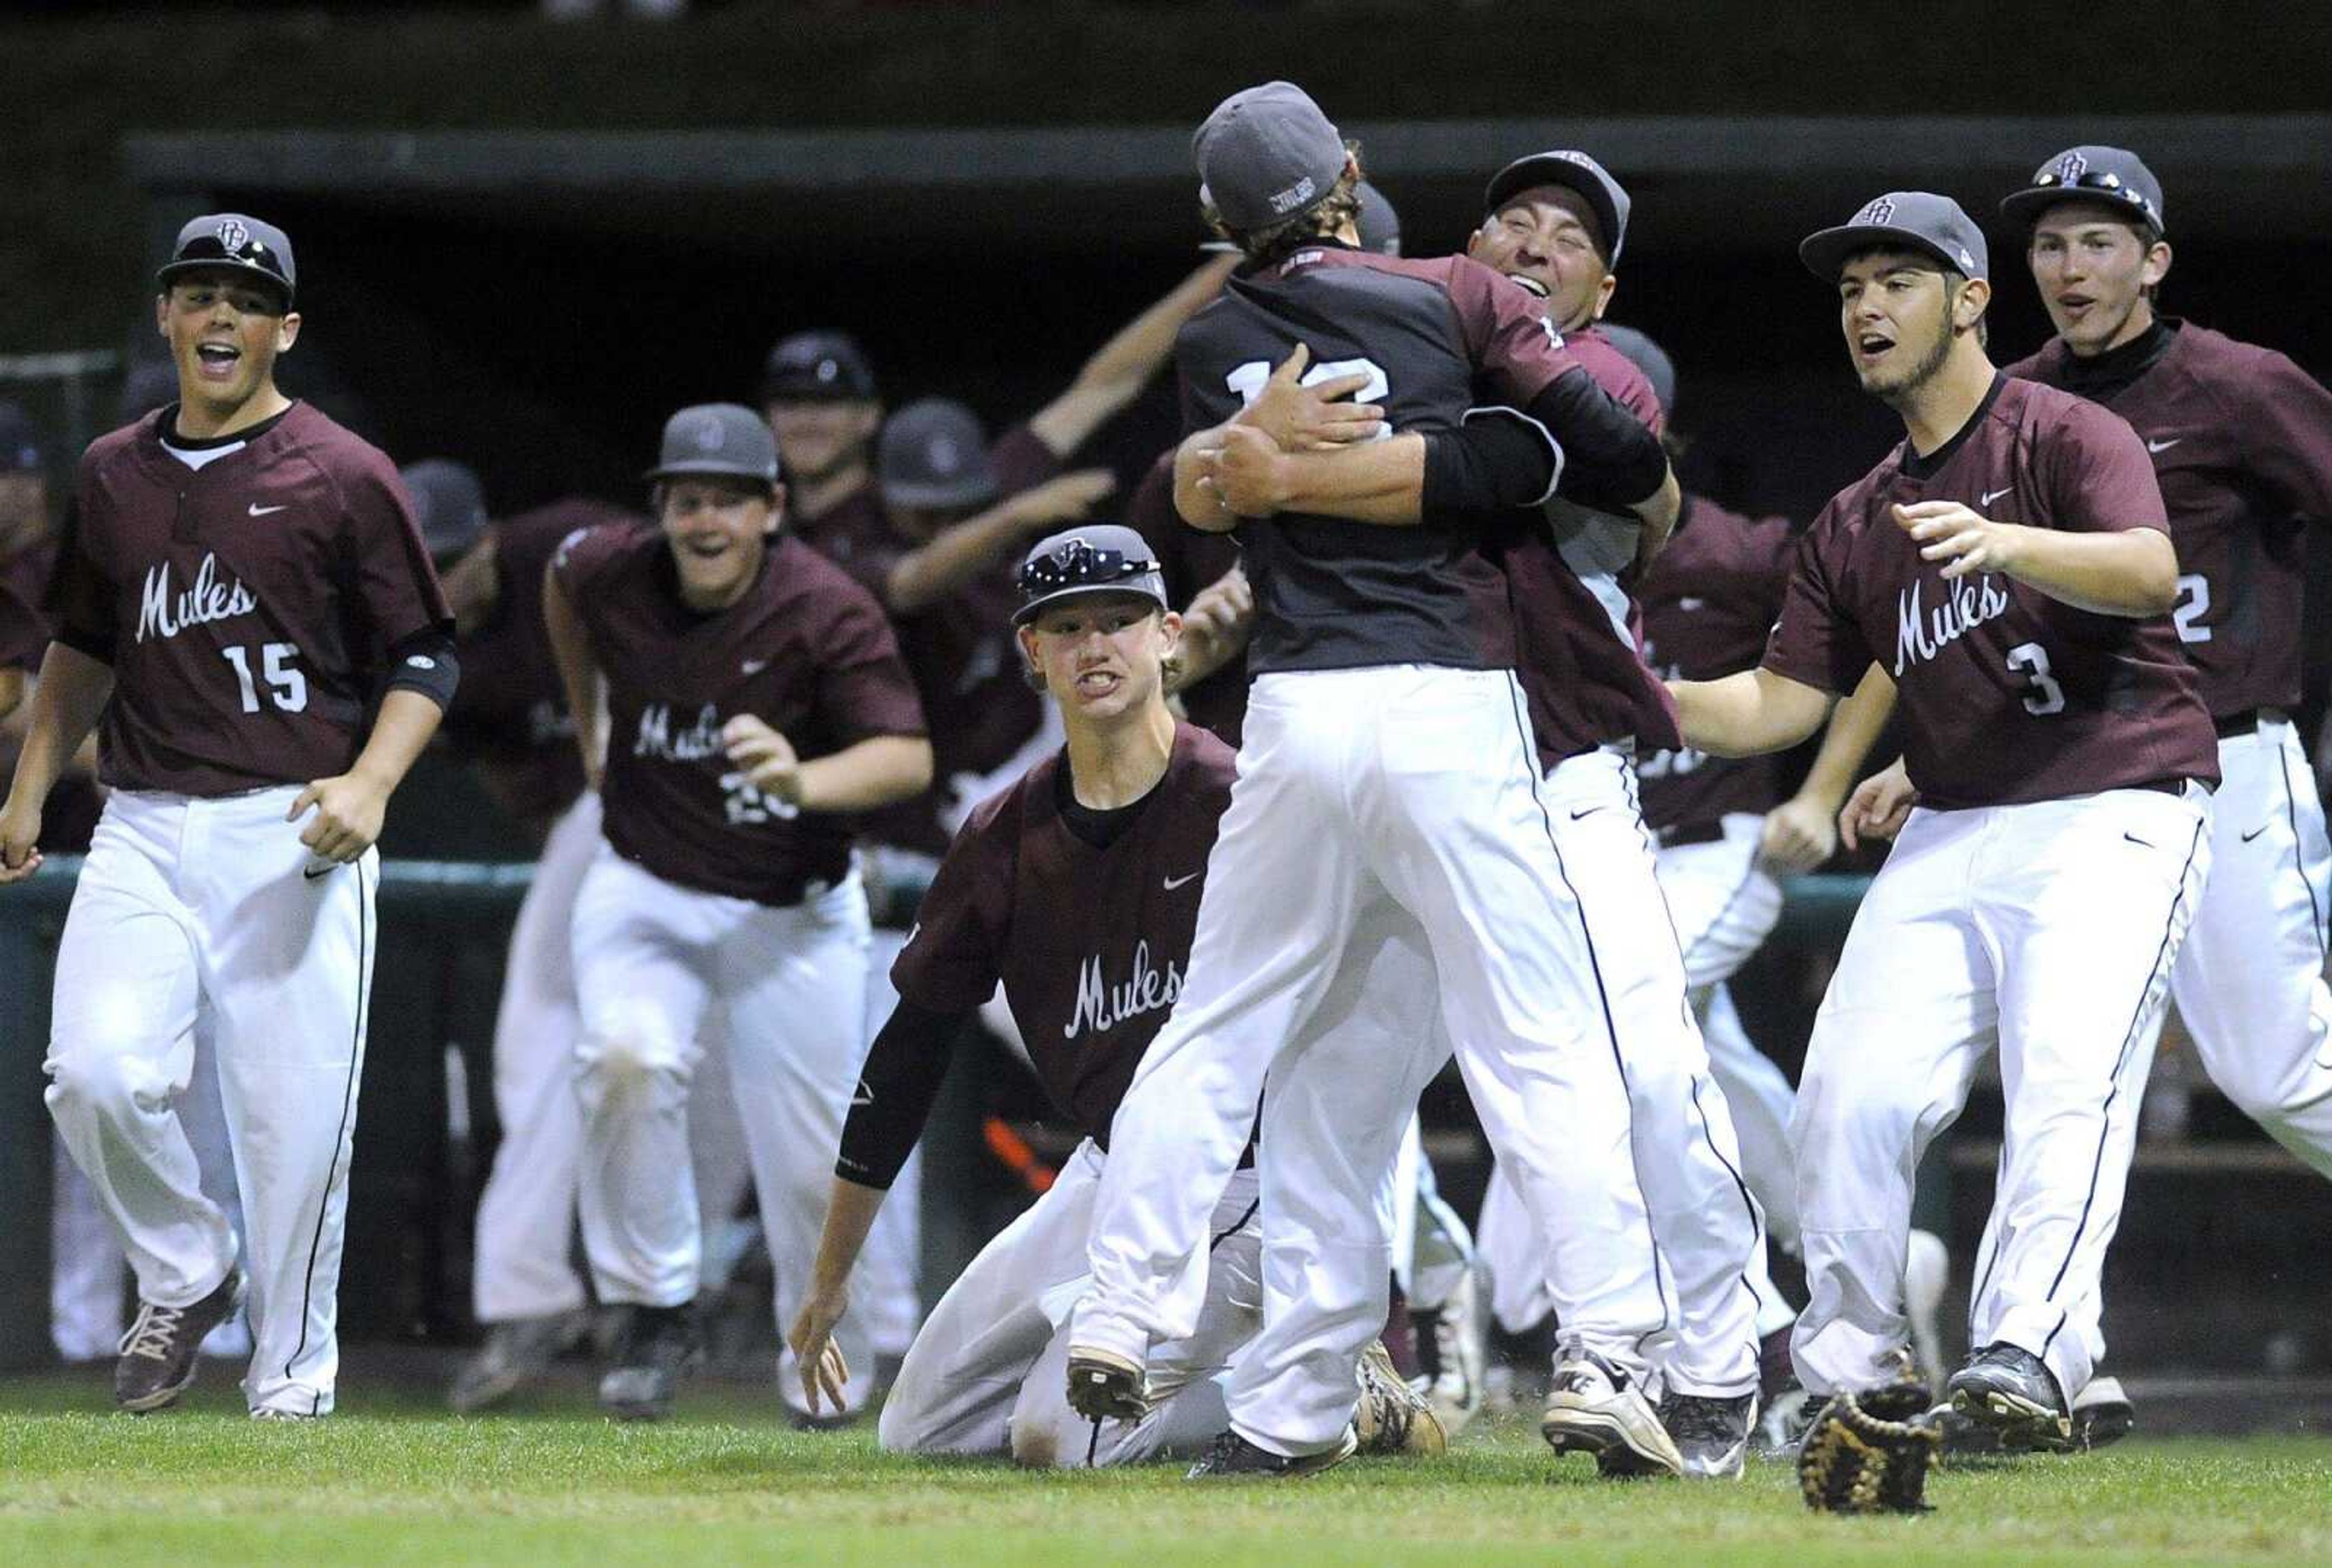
(1190, 560)
(806, 650)
(2006, 694)
(510, 717)
(26, 575)
(23, 633)
(2242, 443)
(247, 607)
(1709, 602)
(1577, 642)
(959, 650)
(1090, 943)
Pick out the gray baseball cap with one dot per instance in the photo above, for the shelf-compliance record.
(230, 240)
(1379, 225)
(1102, 558)
(449, 503)
(1647, 356)
(718, 439)
(1265, 154)
(1910, 220)
(2111, 176)
(1573, 170)
(821, 366)
(933, 453)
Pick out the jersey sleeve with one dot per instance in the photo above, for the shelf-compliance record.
(1516, 353)
(1816, 642)
(2099, 478)
(80, 596)
(23, 634)
(2288, 435)
(952, 959)
(863, 689)
(396, 587)
(582, 561)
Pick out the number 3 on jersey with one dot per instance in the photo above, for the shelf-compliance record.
(285, 683)
(1249, 379)
(2032, 661)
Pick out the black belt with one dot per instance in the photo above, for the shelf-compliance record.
(2162, 786)
(1691, 833)
(2246, 722)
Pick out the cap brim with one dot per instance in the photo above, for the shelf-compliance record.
(1148, 585)
(1521, 176)
(1825, 252)
(2025, 207)
(814, 392)
(222, 265)
(708, 469)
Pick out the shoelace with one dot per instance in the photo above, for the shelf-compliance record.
(155, 1334)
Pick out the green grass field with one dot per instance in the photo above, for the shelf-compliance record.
(398, 1483)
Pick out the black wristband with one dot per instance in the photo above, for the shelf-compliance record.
(425, 662)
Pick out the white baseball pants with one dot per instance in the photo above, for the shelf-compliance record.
(658, 969)
(1416, 787)
(2250, 982)
(2046, 931)
(523, 1266)
(1432, 1249)
(201, 913)
(988, 1373)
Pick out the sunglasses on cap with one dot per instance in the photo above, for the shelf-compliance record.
(1077, 564)
(2105, 180)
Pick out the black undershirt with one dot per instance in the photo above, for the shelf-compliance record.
(1095, 827)
(2103, 375)
(170, 437)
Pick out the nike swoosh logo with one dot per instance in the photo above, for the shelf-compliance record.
(2134, 838)
(1991, 495)
(1174, 882)
(753, 666)
(2154, 446)
(313, 872)
(259, 511)
(2254, 833)
(1690, 603)
(1587, 811)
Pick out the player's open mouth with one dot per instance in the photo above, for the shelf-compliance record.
(1097, 682)
(220, 358)
(2074, 304)
(1532, 284)
(707, 549)
(1872, 345)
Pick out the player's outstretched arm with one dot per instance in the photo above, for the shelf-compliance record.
(2133, 573)
(578, 675)
(12, 690)
(1748, 713)
(850, 1213)
(1214, 628)
(1802, 831)
(1120, 369)
(969, 547)
(72, 693)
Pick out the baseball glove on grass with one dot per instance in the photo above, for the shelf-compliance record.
(1868, 1453)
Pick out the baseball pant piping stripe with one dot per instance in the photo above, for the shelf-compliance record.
(1092, 1443)
(1992, 1258)
(2298, 849)
(1244, 1221)
(1748, 1204)
(348, 1103)
(1595, 966)
(1748, 880)
(2129, 1040)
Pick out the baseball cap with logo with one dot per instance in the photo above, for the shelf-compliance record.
(20, 441)
(230, 240)
(821, 366)
(1647, 356)
(933, 453)
(1265, 154)
(1911, 220)
(449, 503)
(718, 439)
(1572, 170)
(2111, 176)
(1100, 557)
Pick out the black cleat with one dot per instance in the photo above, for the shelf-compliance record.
(516, 1353)
(2011, 1391)
(2102, 1413)
(1104, 1386)
(1711, 1435)
(158, 1353)
(659, 1346)
(1234, 1456)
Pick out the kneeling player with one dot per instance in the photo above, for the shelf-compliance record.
(1077, 888)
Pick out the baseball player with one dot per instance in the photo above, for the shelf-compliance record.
(2008, 568)
(241, 580)
(1076, 889)
(1387, 765)
(754, 700)
(2242, 443)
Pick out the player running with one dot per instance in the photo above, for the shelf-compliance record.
(2060, 758)
(754, 699)
(1076, 889)
(240, 583)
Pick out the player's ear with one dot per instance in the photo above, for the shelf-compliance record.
(776, 509)
(1170, 629)
(1032, 668)
(286, 331)
(2156, 265)
(1603, 292)
(162, 312)
(1968, 308)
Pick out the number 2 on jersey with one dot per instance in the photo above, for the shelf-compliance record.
(285, 683)
(1249, 379)
(2194, 604)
